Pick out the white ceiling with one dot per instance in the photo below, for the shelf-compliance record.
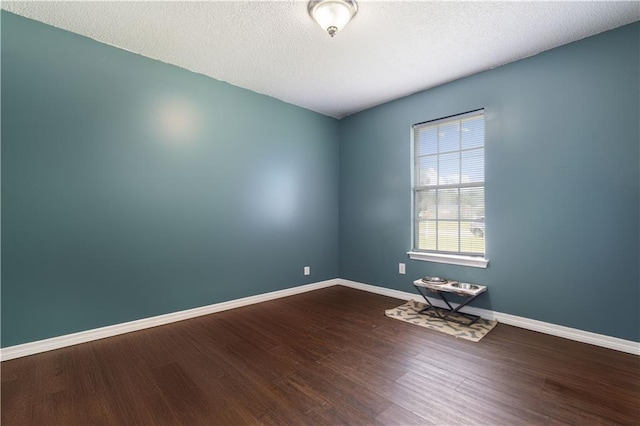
(391, 49)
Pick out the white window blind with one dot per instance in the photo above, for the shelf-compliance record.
(448, 185)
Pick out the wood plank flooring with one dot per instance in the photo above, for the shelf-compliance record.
(321, 358)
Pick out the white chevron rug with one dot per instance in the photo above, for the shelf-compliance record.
(409, 313)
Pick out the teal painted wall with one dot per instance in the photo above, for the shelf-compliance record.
(132, 188)
(562, 185)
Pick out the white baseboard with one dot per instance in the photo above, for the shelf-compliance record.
(602, 340)
(58, 342)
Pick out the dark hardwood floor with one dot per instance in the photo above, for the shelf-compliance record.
(324, 357)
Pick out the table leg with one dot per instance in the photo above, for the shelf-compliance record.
(450, 309)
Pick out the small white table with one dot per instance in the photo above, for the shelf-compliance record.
(469, 291)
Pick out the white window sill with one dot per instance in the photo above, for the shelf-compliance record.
(452, 259)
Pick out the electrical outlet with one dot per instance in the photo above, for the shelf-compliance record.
(307, 270)
(401, 269)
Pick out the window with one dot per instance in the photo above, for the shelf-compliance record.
(448, 186)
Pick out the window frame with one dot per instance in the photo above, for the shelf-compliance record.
(441, 256)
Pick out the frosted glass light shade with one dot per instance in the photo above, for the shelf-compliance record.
(332, 15)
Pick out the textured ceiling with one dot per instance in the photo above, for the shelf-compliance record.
(391, 48)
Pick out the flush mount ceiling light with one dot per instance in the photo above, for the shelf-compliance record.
(332, 15)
